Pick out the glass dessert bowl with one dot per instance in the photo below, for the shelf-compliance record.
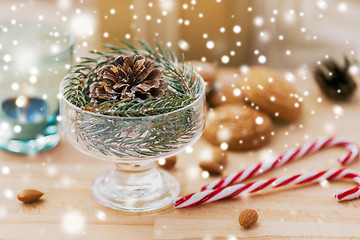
(134, 144)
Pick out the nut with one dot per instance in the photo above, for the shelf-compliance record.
(247, 218)
(213, 160)
(272, 93)
(167, 163)
(220, 156)
(238, 125)
(212, 167)
(29, 195)
(227, 89)
(215, 154)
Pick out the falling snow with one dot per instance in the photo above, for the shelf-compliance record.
(290, 23)
(73, 222)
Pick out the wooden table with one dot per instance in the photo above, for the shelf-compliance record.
(68, 210)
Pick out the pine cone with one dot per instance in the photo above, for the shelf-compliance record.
(129, 78)
(335, 80)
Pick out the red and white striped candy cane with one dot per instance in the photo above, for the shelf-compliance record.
(221, 189)
(242, 189)
(291, 155)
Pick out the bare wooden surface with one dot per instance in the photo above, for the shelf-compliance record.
(68, 210)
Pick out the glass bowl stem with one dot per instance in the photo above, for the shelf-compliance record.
(135, 187)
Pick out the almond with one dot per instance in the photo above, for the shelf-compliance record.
(248, 217)
(220, 156)
(215, 154)
(272, 93)
(238, 125)
(167, 163)
(212, 167)
(29, 195)
(227, 89)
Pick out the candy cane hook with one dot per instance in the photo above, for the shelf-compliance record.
(220, 193)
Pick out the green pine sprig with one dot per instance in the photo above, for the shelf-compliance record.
(183, 82)
(137, 107)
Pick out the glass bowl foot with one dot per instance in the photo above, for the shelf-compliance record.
(135, 188)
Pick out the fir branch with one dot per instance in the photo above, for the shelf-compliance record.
(136, 137)
(138, 107)
(181, 79)
(149, 107)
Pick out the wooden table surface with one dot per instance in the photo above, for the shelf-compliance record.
(68, 210)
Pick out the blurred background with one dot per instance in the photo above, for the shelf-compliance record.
(277, 33)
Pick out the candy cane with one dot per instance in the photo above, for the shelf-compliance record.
(242, 189)
(221, 189)
(291, 155)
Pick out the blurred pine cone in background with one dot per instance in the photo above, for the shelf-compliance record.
(335, 80)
